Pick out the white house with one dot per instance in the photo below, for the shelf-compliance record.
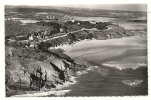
(78, 23)
(31, 37)
(93, 22)
(73, 21)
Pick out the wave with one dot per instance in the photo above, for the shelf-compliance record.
(72, 80)
(121, 66)
(41, 93)
(132, 82)
(92, 67)
(81, 72)
(86, 71)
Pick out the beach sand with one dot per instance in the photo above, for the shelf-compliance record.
(130, 50)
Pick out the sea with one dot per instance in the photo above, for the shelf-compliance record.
(107, 81)
(121, 67)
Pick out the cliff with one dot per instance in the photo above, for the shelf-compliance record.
(23, 63)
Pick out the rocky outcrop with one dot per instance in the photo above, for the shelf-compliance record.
(21, 63)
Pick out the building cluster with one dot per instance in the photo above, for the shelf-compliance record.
(45, 17)
(54, 17)
(65, 18)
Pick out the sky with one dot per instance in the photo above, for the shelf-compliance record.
(127, 7)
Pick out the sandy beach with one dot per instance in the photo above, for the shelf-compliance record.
(124, 50)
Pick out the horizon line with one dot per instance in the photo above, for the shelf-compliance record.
(111, 7)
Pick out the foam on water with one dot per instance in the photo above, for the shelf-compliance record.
(72, 79)
(66, 84)
(48, 92)
(122, 66)
(57, 93)
(86, 71)
(132, 82)
(92, 67)
(81, 72)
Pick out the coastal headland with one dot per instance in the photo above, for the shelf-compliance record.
(46, 55)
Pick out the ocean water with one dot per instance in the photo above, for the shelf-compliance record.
(122, 75)
(107, 81)
(122, 67)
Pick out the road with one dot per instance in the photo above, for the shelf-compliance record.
(67, 34)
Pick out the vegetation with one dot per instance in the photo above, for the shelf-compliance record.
(77, 25)
(15, 28)
(55, 26)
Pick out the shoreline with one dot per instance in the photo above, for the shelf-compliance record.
(59, 90)
(62, 91)
(76, 42)
(106, 76)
